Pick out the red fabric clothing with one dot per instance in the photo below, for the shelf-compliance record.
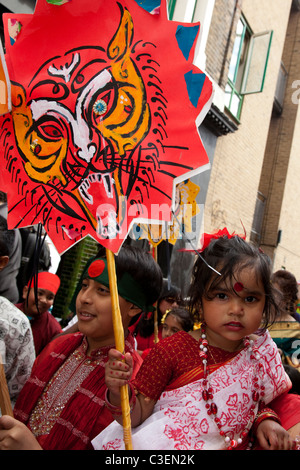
(84, 414)
(175, 362)
(145, 343)
(172, 374)
(287, 407)
(145, 353)
(44, 328)
(170, 360)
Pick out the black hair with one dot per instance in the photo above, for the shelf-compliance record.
(136, 262)
(3, 197)
(288, 290)
(145, 326)
(141, 265)
(229, 256)
(294, 376)
(168, 290)
(183, 316)
(7, 238)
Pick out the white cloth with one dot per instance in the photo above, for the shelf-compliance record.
(16, 347)
(180, 420)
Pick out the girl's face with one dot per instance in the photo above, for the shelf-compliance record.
(170, 326)
(233, 314)
(94, 313)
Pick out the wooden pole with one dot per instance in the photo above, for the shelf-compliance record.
(155, 311)
(5, 403)
(120, 344)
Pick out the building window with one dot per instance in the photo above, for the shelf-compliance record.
(280, 90)
(171, 8)
(256, 231)
(183, 9)
(248, 65)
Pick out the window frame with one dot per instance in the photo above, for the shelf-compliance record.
(241, 91)
(249, 62)
(171, 8)
(234, 91)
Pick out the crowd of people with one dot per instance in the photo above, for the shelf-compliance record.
(216, 370)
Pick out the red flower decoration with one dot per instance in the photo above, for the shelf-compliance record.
(208, 237)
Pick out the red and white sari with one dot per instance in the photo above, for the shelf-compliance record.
(180, 420)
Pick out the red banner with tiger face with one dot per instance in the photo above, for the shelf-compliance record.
(106, 104)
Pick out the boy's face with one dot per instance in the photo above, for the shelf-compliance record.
(94, 313)
(45, 299)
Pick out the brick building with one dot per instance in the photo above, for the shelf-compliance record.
(252, 130)
(281, 168)
(255, 170)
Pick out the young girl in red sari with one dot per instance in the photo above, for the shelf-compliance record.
(208, 389)
(62, 406)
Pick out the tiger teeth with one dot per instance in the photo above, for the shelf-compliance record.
(92, 178)
(83, 189)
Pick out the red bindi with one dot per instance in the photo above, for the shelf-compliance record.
(238, 287)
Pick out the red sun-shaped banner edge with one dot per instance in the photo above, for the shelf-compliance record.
(106, 104)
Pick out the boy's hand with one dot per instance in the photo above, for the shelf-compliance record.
(272, 436)
(118, 372)
(14, 435)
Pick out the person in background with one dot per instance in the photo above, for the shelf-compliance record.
(9, 275)
(36, 305)
(294, 375)
(176, 319)
(36, 255)
(16, 340)
(287, 286)
(143, 330)
(285, 331)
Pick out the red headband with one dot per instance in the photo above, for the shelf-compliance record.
(47, 281)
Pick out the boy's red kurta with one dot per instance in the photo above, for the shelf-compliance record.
(83, 414)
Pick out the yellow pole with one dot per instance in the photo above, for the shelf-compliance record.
(5, 403)
(155, 311)
(120, 344)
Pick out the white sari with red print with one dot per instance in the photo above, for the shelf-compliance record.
(180, 420)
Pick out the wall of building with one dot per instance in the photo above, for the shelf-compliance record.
(287, 254)
(281, 170)
(220, 40)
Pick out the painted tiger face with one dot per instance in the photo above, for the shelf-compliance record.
(102, 122)
(88, 112)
